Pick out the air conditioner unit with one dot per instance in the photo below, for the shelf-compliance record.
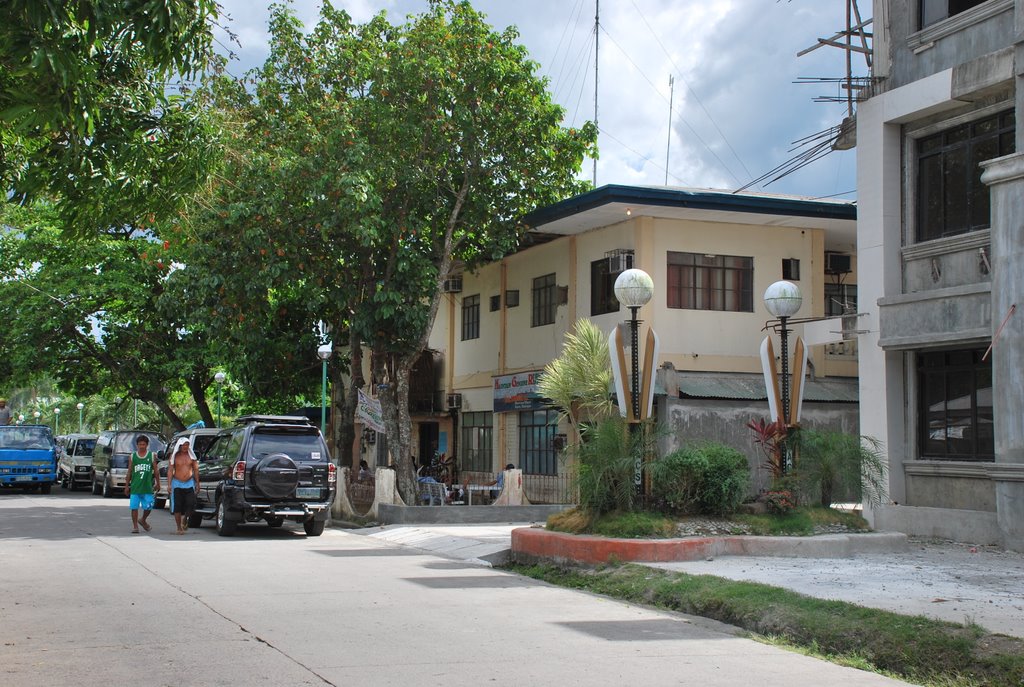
(619, 260)
(453, 284)
(454, 401)
(837, 263)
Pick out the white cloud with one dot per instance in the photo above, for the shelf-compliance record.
(736, 108)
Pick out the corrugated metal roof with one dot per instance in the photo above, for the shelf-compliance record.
(751, 387)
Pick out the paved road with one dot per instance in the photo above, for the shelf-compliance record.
(84, 603)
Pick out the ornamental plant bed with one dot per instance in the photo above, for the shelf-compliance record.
(806, 521)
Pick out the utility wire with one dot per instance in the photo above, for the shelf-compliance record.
(683, 119)
(642, 156)
(696, 98)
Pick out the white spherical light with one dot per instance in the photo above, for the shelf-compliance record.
(219, 377)
(325, 351)
(783, 299)
(634, 288)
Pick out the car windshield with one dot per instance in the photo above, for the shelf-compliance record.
(26, 438)
(125, 443)
(302, 447)
(84, 447)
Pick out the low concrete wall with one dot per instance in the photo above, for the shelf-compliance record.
(464, 515)
(975, 527)
(533, 544)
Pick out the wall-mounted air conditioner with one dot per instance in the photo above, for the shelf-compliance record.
(837, 263)
(454, 401)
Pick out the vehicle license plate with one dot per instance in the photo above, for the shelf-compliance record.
(307, 492)
(23, 478)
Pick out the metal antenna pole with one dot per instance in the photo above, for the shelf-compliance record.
(597, 61)
(668, 144)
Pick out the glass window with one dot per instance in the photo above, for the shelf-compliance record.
(931, 11)
(840, 299)
(602, 288)
(537, 454)
(710, 282)
(303, 447)
(471, 317)
(955, 394)
(476, 445)
(543, 301)
(951, 198)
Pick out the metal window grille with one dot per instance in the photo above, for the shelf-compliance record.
(537, 454)
(544, 300)
(471, 317)
(710, 282)
(477, 446)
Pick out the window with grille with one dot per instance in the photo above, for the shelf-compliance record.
(537, 454)
(840, 299)
(471, 317)
(602, 288)
(477, 449)
(710, 282)
(951, 198)
(955, 406)
(544, 301)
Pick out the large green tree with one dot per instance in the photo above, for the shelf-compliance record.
(378, 158)
(98, 314)
(85, 111)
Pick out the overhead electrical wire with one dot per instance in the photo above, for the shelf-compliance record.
(696, 98)
(683, 119)
(642, 156)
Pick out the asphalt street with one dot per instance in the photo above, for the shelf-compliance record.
(83, 602)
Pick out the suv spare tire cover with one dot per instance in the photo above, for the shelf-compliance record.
(276, 476)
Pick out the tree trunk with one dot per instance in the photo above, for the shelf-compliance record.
(197, 388)
(344, 403)
(394, 397)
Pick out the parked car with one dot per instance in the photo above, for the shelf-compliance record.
(28, 457)
(110, 459)
(200, 438)
(74, 465)
(268, 467)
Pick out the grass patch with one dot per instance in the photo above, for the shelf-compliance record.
(802, 522)
(629, 525)
(914, 648)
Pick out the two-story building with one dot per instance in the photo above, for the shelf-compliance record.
(711, 255)
(939, 244)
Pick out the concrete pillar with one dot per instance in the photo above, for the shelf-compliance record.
(1005, 177)
(512, 492)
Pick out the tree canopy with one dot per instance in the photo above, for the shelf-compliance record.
(370, 160)
(85, 115)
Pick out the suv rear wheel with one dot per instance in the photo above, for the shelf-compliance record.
(225, 527)
(276, 476)
(96, 488)
(107, 491)
(314, 528)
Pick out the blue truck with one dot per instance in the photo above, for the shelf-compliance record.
(28, 457)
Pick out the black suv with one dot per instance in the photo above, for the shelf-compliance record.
(270, 468)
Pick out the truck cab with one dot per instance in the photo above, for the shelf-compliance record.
(28, 457)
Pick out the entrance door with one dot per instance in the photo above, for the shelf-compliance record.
(429, 432)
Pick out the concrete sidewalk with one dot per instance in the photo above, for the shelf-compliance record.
(937, 579)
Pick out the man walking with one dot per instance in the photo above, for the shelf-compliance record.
(142, 474)
(184, 473)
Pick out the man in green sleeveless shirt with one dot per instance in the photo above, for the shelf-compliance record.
(142, 474)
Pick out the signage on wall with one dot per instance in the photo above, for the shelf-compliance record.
(518, 392)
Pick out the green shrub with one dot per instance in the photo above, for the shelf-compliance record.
(710, 478)
(634, 524)
(831, 462)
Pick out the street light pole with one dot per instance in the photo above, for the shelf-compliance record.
(324, 352)
(783, 299)
(81, 407)
(634, 288)
(56, 421)
(219, 378)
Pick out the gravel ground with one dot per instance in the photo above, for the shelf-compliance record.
(938, 579)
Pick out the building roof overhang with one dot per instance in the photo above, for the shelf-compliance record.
(613, 204)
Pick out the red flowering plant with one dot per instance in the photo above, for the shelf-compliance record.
(770, 438)
(780, 501)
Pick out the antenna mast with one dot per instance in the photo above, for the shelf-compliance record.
(668, 144)
(597, 60)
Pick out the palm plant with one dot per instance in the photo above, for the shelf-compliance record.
(605, 462)
(577, 382)
(831, 461)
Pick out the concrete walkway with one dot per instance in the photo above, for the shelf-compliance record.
(937, 579)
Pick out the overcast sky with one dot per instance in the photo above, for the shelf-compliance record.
(736, 109)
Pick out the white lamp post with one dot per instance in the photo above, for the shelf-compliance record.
(634, 288)
(324, 353)
(56, 421)
(783, 300)
(219, 378)
(21, 419)
(36, 415)
(81, 407)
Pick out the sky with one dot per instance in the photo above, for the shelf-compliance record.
(736, 112)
